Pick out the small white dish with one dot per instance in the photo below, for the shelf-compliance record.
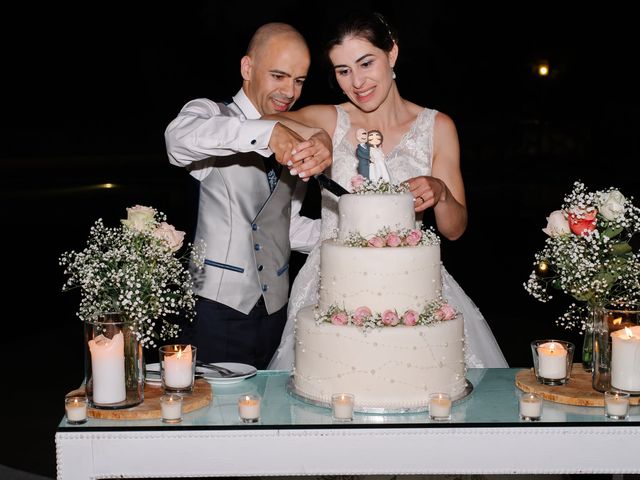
(216, 378)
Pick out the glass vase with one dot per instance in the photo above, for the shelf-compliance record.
(114, 363)
(587, 342)
(607, 321)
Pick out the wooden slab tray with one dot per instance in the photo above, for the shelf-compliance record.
(577, 391)
(150, 407)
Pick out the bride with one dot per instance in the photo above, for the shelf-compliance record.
(421, 147)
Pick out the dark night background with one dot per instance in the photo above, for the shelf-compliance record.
(86, 96)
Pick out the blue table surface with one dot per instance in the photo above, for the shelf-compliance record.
(492, 402)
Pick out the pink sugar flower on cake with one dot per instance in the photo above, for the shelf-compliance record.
(339, 318)
(390, 318)
(393, 239)
(376, 242)
(357, 181)
(361, 315)
(410, 318)
(446, 312)
(413, 238)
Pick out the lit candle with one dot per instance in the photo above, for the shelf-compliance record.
(625, 359)
(249, 408)
(76, 409)
(552, 358)
(530, 406)
(439, 406)
(342, 406)
(107, 369)
(616, 404)
(171, 406)
(178, 366)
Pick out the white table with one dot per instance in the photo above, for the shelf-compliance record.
(484, 436)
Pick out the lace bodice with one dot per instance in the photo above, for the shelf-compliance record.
(410, 158)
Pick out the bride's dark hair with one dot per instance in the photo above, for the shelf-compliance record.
(371, 27)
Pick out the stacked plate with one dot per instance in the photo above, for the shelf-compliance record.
(242, 370)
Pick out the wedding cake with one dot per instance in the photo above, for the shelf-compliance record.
(380, 330)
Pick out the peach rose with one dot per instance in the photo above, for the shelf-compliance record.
(170, 236)
(413, 238)
(446, 312)
(361, 315)
(557, 224)
(339, 318)
(583, 222)
(393, 240)
(390, 318)
(376, 242)
(410, 318)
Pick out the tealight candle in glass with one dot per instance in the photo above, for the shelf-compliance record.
(616, 404)
(342, 406)
(440, 406)
(171, 407)
(552, 361)
(249, 408)
(530, 407)
(76, 410)
(177, 368)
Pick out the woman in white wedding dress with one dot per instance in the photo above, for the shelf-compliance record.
(420, 147)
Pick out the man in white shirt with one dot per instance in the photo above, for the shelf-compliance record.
(248, 204)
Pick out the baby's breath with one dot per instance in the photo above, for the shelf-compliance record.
(136, 273)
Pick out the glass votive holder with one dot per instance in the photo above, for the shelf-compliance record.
(342, 406)
(530, 407)
(75, 408)
(177, 368)
(171, 408)
(440, 407)
(616, 404)
(552, 361)
(249, 408)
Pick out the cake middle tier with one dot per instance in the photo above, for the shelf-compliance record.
(399, 278)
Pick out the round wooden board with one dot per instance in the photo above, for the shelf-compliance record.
(150, 407)
(577, 391)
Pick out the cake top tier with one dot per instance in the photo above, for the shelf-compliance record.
(366, 214)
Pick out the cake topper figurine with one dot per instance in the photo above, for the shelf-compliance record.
(377, 166)
(362, 152)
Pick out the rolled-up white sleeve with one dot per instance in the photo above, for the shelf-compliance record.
(304, 232)
(201, 131)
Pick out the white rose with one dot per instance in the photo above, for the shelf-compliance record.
(140, 218)
(557, 224)
(170, 236)
(612, 205)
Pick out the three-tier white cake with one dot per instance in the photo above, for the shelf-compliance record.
(381, 329)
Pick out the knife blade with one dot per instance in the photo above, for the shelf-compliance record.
(331, 185)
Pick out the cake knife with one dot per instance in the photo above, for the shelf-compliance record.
(332, 186)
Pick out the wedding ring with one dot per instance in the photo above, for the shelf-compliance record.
(420, 197)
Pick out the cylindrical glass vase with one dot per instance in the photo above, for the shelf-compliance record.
(608, 320)
(114, 363)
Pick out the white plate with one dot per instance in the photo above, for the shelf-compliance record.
(215, 378)
(153, 378)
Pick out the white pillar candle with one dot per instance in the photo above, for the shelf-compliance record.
(530, 406)
(107, 369)
(249, 408)
(552, 360)
(616, 405)
(625, 359)
(178, 368)
(76, 409)
(342, 406)
(171, 407)
(439, 405)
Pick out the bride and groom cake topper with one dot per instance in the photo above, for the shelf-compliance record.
(371, 158)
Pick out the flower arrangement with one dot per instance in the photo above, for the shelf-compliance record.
(134, 269)
(394, 238)
(435, 311)
(362, 185)
(587, 254)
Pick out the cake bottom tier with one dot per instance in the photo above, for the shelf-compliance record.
(387, 368)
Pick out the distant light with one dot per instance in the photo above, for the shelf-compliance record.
(108, 185)
(543, 69)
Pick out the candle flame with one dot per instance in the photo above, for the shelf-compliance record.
(179, 354)
(617, 321)
(629, 332)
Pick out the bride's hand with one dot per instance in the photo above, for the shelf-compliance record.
(427, 192)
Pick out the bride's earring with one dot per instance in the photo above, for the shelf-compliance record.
(393, 74)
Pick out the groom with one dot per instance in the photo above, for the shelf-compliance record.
(246, 209)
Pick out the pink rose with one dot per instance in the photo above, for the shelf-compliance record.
(170, 236)
(361, 315)
(413, 238)
(393, 240)
(390, 318)
(410, 318)
(446, 312)
(583, 222)
(140, 218)
(376, 242)
(357, 181)
(339, 318)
